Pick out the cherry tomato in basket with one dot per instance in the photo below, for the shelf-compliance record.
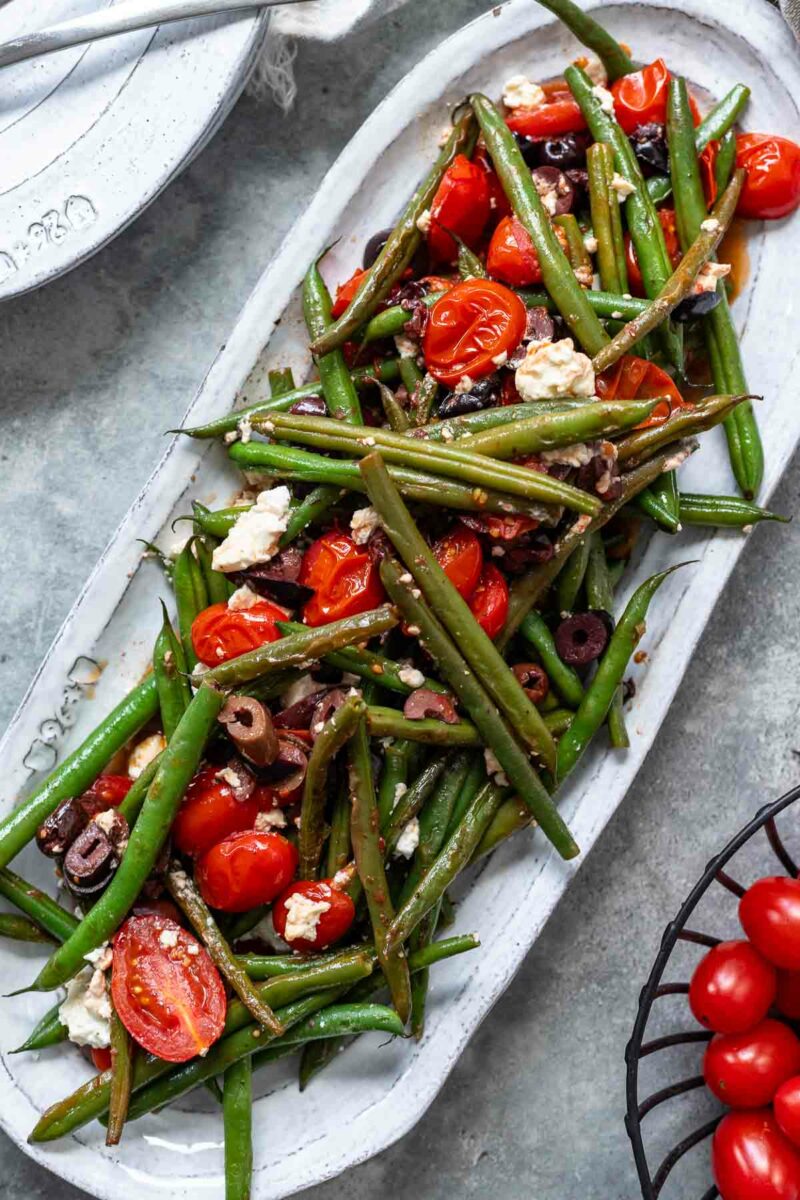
(311, 915)
(110, 789)
(460, 556)
(220, 633)
(210, 811)
(460, 206)
(633, 378)
(667, 218)
(469, 327)
(559, 114)
(772, 187)
(769, 913)
(489, 602)
(641, 97)
(343, 576)
(245, 870)
(732, 988)
(346, 292)
(166, 990)
(787, 998)
(745, 1070)
(786, 1107)
(752, 1160)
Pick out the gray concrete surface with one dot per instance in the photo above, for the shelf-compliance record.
(98, 364)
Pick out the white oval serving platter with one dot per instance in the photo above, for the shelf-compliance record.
(374, 1093)
(89, 136)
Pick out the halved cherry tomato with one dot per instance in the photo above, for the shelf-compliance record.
(346, 291)
(460, 206)
(641, 97)
(633, 378)
(147, 906)
(101, 1057)
(343, 576)
(489, 603)
(732, 988)
(745, 1070)
(246, 869)
(110, 789)
(459, 555)
(559, 114)
(469, 327)
(752, 1160)
(787, 998)
(772, 187)
(769, 913)
(498, 201)
(210, 812)
(328, 924)
(166, 990)
(667, 218)
(787, 1108)
(512, 256)
(220, 633)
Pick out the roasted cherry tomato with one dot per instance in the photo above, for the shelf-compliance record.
(489, 603)
(787, 998)
(772, 187)
(641, 97)
(166, 990)
(220, 633)
(769, 913)
(787, 1108)
(246, 869)
(460, 206)
(752, 1160)
(459, 555)
(210, 812)
(733, 988)
(472, 325)
(147, 906)
(511, 256)
(346, 291)
(559, 114)
(311, 915)
(111, 789)
(343, 576)
(667, 218)
(633, 378)
(498, 201)
(708, 170)
(745, 1070)
(101, 1057)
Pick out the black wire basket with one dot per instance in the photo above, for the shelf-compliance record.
(670, 1126)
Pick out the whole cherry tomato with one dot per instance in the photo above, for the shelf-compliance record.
(460, 206)
(246, 869)
(787, 998)
(667, 218)
(733, 988)
(110, 789)
(559, 114)
(752, 1160)
(343, 576)
(745, 1070)
(511, 256)
(166, 990)
(633, 378)
(459, 555)
(641, 97)
(498, 201)
(772, 187)
(346, 292)
(489, 603)
(210, 812)
(468, 328)
(786, 1106)
(769, 913)
(317, 908)
(220, 633)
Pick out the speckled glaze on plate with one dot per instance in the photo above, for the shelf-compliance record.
(375, 1092)
(89, 136)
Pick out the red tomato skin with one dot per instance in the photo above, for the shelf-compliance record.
(332, 925)
(561, 114)
(752, 1160)
(633, 378)
(772, 187)
(769, 913)
(111, 789)
(171, 999)
(220, 633)
(489, 603)
(668, 223)
(641, 97)
(344, 577)
(210, 812)
(469, 326)
(245, 870)
(499, 206)
(460, 206)
(460, 556)
(511, 256)
(733, 988)
(744, 1070)
(101, 1057)
(787, 998)
(786, 1107)
(346, 292)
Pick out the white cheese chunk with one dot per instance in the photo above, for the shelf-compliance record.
(363, 524)
(271, 818)
(604, 96)
(411, 677)
(554, 369)
(243, 598)
(424, 221)
(168, 938)
(143, 754)
(493, 768)
(621, 186)
(408, 840)
(86, 1011)
(406, 347)
(255, 536)
(710, 276)
(710, 225)
(303, 917)
(593, 68)
(521, 92)
(297, 691)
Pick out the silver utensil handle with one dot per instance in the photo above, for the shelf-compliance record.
(122, 18)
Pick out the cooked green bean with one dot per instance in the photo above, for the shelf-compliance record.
(571, 576)
(730, 512)
(169, 668)
(683, 422)
(600, 595)
(336, 732)
(122, 1052)
(22, 929)
(35, 904)
(337, 386)
(237, 1118)
(613, 56)
(410, 803)
(551, 431)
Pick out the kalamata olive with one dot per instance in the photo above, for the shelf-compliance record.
(58, 831)
(696, 306)
(601, 477)
(277, 579)
(239, 778)
(579, 178)
(581, 638)
(288, 770)
(533, 680)
(325, 708)
(309, 406)
(568, 150)
(529, 148)
(298, 715)
(249, 726)
(91, 860)
(484, 393)
(650, 147)
(422, 703)
(556, 190)
(539, 327)
(374, 247)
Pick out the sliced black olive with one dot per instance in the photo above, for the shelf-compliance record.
(529, 148)
(696, 306)
(374, 247)
(650, 147)
(582, 638)
(568, 150)
(484, 393)
(552, 182)
(309, 406)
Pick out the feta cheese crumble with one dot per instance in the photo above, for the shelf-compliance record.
(464, 385)
(521, 92)
(168, 938)
(621, 187)
(411, 677)
(604, 97)
(710, 276)
(424, 220)
(500, 359)
(710, 225)
(408, 840)
(593, 68)
(303, 917)
(86, 1011)
(406, 347)
(554, 369)
(254, 537)
(302, 687)
(363, 524)
(243, 598)
(272, 818)
(493, 768)
(591, 243)
(143, 754)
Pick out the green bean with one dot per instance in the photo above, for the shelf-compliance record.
(722, 117)
(424, 399)
(217, 587)
(396, 415)
(723, 511)
(597, 701)
(653, 506)
(339, 837)
(511, 816)
(35, 904)
(392, 321)
(551, 431)
(562, 677)
(131, 806)
(309, 510)
(335, 733)
(281, 381)
(394, 776)
(189, 603)
(591, 33)
(579, 257)
(121, 1078)
(455, 428)
(47, 1032)
(469, 265)
(558, 720)
(683, 422)
(237, 1120)
(337, 386)
(665, 493)
(437, 814)
(726, 160)
(376, 668)
(401, 244)
(559, 279)
(169, 668)
(571, 576)
(332, 971)
(599, 159)
(474, 781)
(194, 908)
(409, 804)
(600, 595)
(21, 929)
(177, 766)
(275, 966)
(80, 769)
